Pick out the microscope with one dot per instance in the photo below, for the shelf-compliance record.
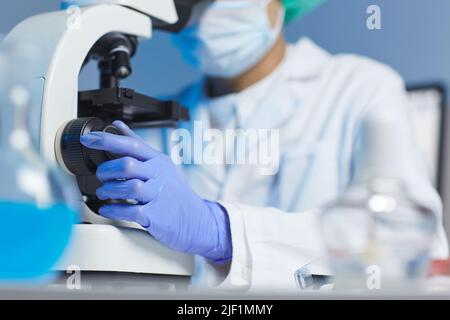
(109, 33)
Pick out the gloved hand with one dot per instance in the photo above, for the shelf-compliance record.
(167, 207)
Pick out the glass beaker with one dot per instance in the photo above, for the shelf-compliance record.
(377, 237)
(37, 207)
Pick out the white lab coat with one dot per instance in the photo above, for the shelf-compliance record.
(317, 101)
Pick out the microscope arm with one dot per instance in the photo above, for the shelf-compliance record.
(160, 9)
(62, 48)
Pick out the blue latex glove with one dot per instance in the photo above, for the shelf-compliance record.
(167, 207)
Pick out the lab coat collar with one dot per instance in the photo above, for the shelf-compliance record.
(271, 96)
(244, 104)
(270, 102)
(308, 60)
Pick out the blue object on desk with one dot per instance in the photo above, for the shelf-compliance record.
(32, 239)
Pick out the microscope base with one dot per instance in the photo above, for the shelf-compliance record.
(106, 248)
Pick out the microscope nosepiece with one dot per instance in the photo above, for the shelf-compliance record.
(120, 63)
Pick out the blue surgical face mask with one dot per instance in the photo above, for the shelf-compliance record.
(229, 37)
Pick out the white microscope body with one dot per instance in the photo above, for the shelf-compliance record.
(64, 40)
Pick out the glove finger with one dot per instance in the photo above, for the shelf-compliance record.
(126, 130)
(124, 168)
(122, 145)
(126, 212)
(128, 168)
(127, 190)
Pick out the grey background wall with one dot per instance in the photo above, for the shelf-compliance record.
(415, 40)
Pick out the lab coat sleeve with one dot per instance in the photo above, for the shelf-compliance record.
(269, 246)
(389, 98)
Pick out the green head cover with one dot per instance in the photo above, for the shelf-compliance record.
(298, 8)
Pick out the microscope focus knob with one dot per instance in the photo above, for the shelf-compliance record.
(72, 155)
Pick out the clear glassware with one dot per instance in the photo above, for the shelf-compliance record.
(37, 206)
(377, 237)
